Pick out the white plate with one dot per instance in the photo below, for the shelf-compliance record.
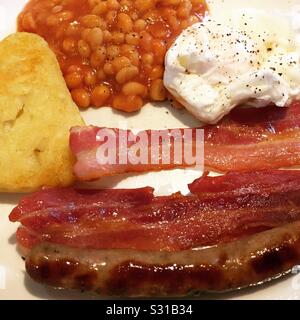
(15, 284)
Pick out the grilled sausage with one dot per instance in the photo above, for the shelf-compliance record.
(242, 263)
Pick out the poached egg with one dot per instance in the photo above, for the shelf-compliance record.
(253, 58)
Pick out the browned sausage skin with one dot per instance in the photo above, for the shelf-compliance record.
(131, 273)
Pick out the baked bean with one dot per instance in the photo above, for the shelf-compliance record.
(170, 2)
(84, 49)
(101, 52)
(159, 30)
(156, 72)
(65, 15)
(90, 78)
(134, 57)
(132, 38)
(134, 89)
(103, 25)
(198, 5)
(147, 58)
(72, 29)
(117, 37)
(127, 103)
(147, 68)
(159, 50)
(139, 25)
(100, 8)
(113, 4)
(69, 45)
(184, 10)
(81, 97)
(85, 33)
(173, 22)
(127, 74)
(144, 5)
(145, 41)
(111, 51)
(91, 21)
(100, 95)
(54, 3)
(98, 57)
(124, 22)
(129, 51)
(157, 90)
(126, 5)
(120, 63)
(107, 36)
(184, 24)
(74, 68)
(134, 16)
(126, 49)
(95, 37)
(110, 17)
(150, 16)
(73, 80)
(168, 12)
(192, 20)
(108, 69)
(93, 3)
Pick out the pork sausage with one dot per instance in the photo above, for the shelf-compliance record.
(131, 273)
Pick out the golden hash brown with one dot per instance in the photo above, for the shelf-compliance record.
(36, 113)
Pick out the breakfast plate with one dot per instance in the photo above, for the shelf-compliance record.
(16, 284)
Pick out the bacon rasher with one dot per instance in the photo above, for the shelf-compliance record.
(159, 150)
(221, 209)
(247, 140)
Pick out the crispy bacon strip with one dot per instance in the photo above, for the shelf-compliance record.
(247, 140)
(233, 185)
(222, 209)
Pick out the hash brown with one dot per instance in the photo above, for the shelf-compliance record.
(36, 113)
